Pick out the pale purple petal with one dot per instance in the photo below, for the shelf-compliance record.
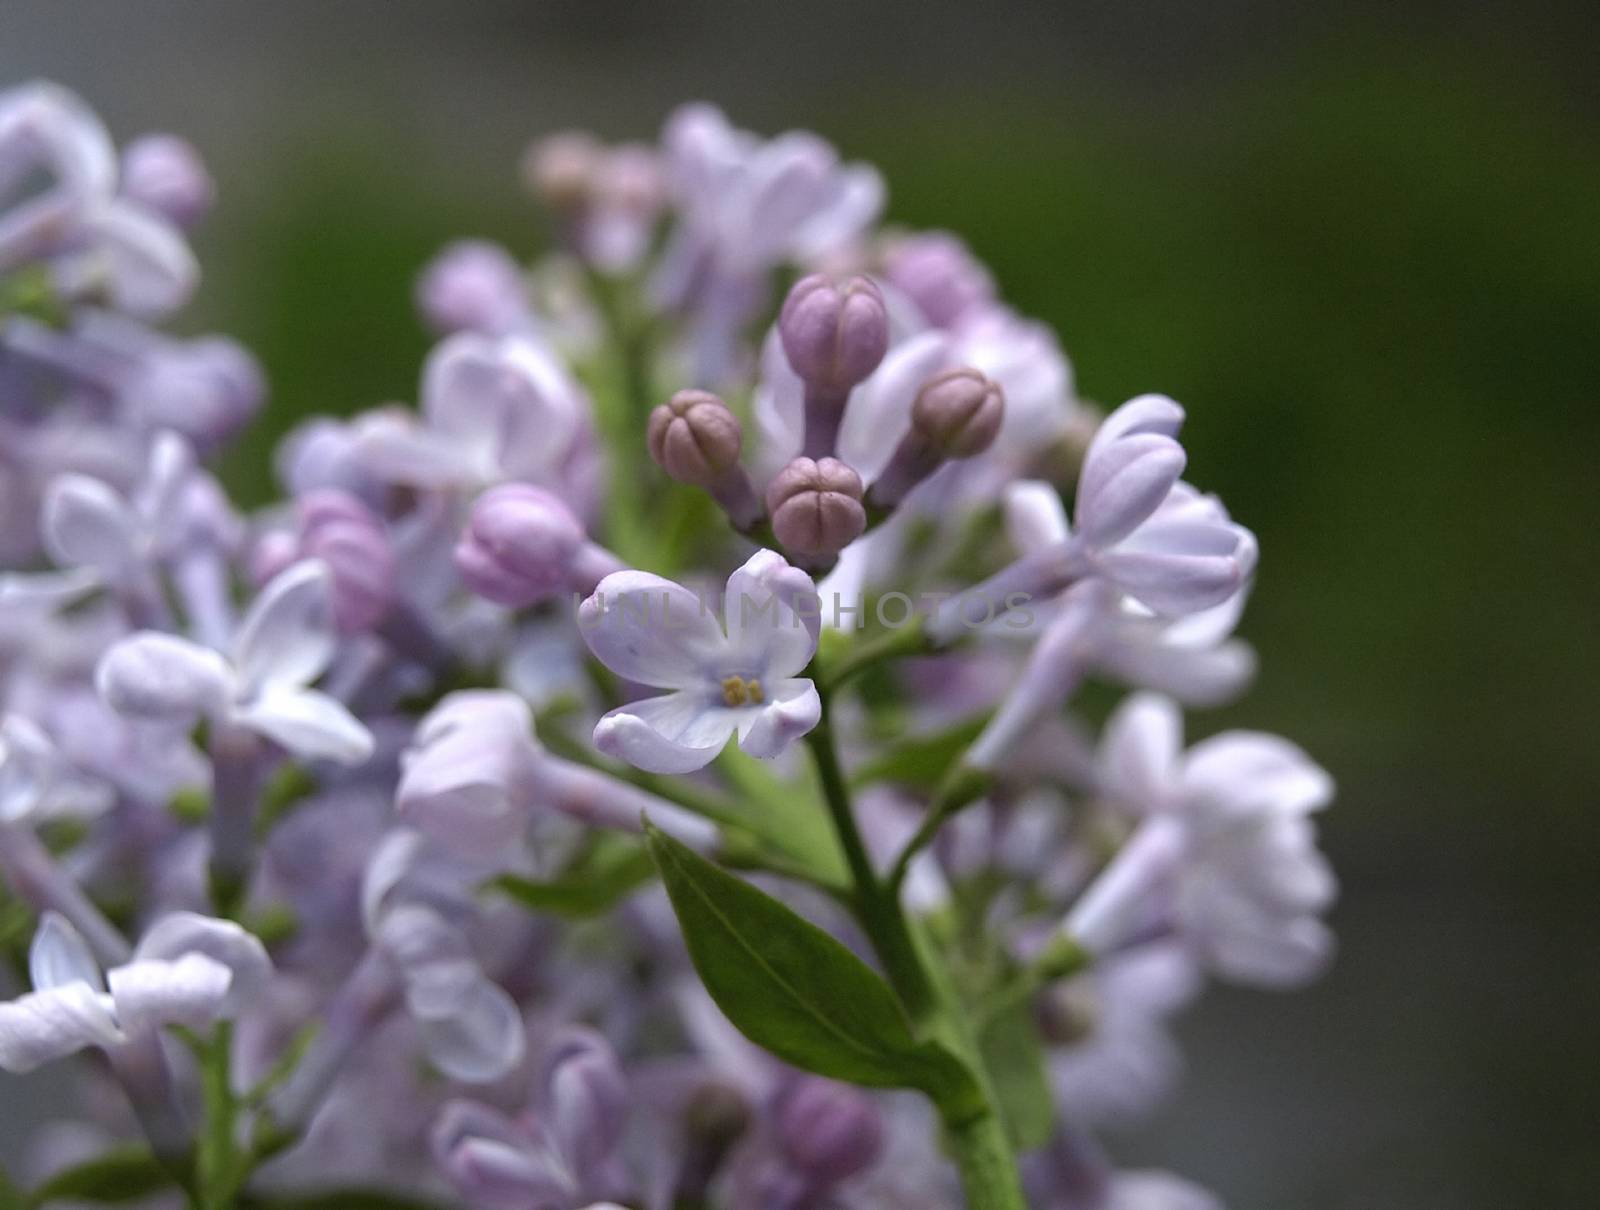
(652, 631)
(42, 1026)
(287, 638)
(793, 710)
(773, 616)
(674, 733)
(309, 724)
(179, 933)
(87, 524)
(191, 991)
(162, 677)
(1034, 515)
(59, 957)
(1140, 751)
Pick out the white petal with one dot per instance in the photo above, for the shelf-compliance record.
(396, 449)
(191, 991)
(180, 933)
(163, 677)
(166, 482)
(1142, 414)
(480, 1040)
(36, 1028)
(309, 724)
(794, 710)
(652, 631)
(29, 765)
(34, 593)
(1240, 774)
(1123, 484)
(773, 617)
(1034, 515)
(148, 268)
(59, 957)
(1138, 761)
(43, 121)
(87, 524)
(674, 733)
(287, 637)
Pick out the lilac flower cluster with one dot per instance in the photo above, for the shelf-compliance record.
(372, 868)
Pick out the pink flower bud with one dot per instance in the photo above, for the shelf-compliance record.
(695, 438)
(166, 174)
(834, 336)
(815, 506)
(520, 545)
(351, 539)
(958, 413)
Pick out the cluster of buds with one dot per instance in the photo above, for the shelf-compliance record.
(833, 337)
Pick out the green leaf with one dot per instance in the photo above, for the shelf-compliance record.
(921, 762)
(125, 1174)
(596, 883)
(791, 988)
(1016, 1065)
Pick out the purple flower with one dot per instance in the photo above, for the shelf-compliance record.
(736, 675)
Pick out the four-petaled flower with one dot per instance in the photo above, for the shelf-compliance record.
(733, 675)
(285, 642)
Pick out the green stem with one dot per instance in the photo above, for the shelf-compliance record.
(909, 639)
(964, 786)
(622, 417)
(218, 1167)
(982, 1151)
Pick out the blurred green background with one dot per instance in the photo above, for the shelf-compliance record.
(1360, 245)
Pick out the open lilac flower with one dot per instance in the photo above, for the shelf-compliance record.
(189, 970)
(493, 408)
(284, 643)
(736, 675)
(96, 243)
(1226, 854)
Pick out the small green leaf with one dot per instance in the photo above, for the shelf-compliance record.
(791, 988)
(595, 884)
(1015, 1061)
(125, 1174)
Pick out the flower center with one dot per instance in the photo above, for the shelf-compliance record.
(736, 691)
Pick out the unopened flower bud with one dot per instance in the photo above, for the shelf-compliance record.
(959, 412)
(695, 438)
(166, 174)
(956, 414)
(834, 336)
(519, 545)
(560, 169)
(351, 539)
(827, 1130)
(473, 285)
(815, 506)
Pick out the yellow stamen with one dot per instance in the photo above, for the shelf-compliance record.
(736, 691)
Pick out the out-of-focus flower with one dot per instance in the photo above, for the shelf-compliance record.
(493, 408)
(189, 970)
(284, 643)
(474, 286)
(165, 174)
(1225, 854)
(736, 675)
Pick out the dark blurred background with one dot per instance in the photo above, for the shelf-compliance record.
(1359, 241)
